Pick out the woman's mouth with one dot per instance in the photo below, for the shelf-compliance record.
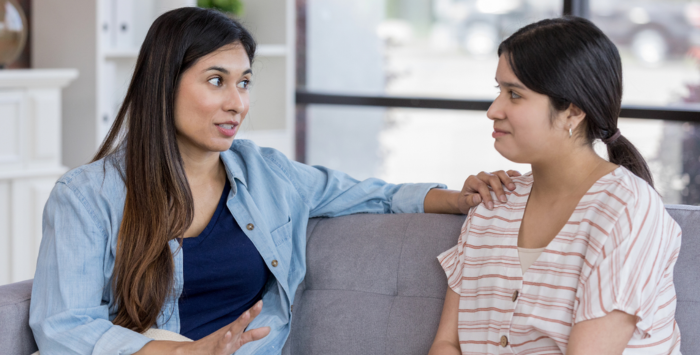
(497, 133)
(227, 129)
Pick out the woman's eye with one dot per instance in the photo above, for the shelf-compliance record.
(514, 95)
(244, 84)
(215, 81)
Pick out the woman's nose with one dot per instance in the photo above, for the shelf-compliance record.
(235, 102)
(495, 111)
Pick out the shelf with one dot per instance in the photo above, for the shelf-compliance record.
(271, 50)
(10, 78)
(130, 53)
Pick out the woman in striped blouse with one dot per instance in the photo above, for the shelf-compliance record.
(579, 258)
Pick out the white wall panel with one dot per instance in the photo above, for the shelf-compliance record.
(11, 105)
(21, 239)
(46, 121)
(28, 199)
(5, 228)
(30, 151)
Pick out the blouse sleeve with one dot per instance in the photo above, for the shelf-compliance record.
(67, 314)
(331, 193)
(633, 272)
(452, 260)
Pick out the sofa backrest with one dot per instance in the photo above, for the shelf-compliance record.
(686, 277)
(374, 286)
(15, 335)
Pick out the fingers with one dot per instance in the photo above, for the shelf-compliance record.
(477, 184)
(514, 173)
(494, 181)
(254, 334)
(505, 179)
(474, 200)
(239, 325)
(481, 183)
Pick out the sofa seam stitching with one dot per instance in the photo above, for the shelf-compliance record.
(15, 303)
(398, 270)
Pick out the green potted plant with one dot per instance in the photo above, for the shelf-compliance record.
(233, 7)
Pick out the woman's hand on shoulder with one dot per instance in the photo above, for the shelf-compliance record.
(476, 188)
(224, 341)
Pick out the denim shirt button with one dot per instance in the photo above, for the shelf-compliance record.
(250, 226)
(274, 263)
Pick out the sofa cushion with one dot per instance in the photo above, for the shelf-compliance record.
(373, 284)
(15, 335)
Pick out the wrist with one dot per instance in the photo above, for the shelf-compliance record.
(455, 198)
(179, 348)
(155, 347)
(460, 203)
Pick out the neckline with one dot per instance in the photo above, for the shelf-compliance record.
(193, 241)
(520, 213)
(531, 250)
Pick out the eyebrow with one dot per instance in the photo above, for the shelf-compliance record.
(220, 69)
(513, 85)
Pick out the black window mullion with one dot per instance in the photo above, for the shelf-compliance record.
(578, 8)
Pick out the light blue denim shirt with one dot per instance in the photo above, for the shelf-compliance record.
(72, 302)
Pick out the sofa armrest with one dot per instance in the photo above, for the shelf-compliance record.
(16, 337)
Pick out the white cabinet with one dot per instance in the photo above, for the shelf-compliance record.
(30, 162)
(101, 38)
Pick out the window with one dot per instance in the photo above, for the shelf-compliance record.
(398, 89)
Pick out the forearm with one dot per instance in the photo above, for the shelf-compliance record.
(607, 335)
(444, 348)
(447, 339)
(442, 201)
(158, 347)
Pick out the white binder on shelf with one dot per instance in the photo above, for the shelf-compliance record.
(106, 30)
(123, 16)
(107, 108)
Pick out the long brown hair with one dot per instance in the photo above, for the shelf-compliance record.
(142, 143)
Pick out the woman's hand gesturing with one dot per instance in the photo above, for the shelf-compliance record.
(224, 341)
(231, 337)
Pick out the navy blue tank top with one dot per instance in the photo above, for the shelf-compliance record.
(224, 275)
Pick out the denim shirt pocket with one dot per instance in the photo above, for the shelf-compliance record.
(282, 234)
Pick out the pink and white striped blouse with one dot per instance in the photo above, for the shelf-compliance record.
(616, 252)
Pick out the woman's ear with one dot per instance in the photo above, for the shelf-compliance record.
(574, 116)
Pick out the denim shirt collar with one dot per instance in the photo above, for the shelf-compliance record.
(234, 169)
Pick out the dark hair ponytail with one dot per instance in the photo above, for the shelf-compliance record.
(571, 61)
(159, 205)
(622, 152)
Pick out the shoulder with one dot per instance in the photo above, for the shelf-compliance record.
(631, 192)
(90, 173)
(96, 185)
(251, 153)
(642, 210)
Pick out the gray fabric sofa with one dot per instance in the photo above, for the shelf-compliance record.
(374, 286)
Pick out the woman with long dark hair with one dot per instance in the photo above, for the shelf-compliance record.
(580, 259)
(177, 226)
